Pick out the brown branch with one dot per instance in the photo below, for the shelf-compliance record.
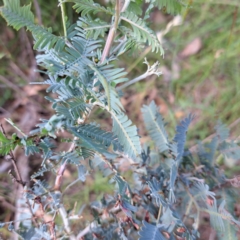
(38, 11)
(19, 177)
(59, 178)
(14, 87)
(112, 32)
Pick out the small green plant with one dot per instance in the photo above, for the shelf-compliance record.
(171, 187)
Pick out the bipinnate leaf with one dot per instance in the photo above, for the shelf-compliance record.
(141, 32)
(180, 137)
(155, 126)
(171, 6)
(88, 6)
(19, 17)
(127, 135)
(91, 133)
(109, 77)
(16, 15)
(156, 192)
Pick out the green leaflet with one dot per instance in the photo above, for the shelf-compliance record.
(95, 28)
(141, 32)
(7, 145)
(172, 6)
(94, 133)
(19, 17)
(109, 77)
(127, 135)
(155, 126)
(104, 83)
(89, 6)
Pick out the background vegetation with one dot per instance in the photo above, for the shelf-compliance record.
(200, 76)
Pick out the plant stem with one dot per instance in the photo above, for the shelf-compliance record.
(137, 79)
(19, 177)
(159, 213)
(150, 71)
(125, 6)
(62, 5)
(112, 32)
(66, 224)
(197, 207)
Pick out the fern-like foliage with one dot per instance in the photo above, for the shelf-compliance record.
(75, 57)
(19, 17)
(141, 32)
(171, 6)
(135, 7)
(180, 137)
(94, 133)
(156, 192)
(89, 6)
(95, 28)
(127, 135)
(7, 145)
(169, 187)
(155, 126)
(109, 77)
(41, 172)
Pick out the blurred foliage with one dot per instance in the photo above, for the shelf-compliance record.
(205, 83)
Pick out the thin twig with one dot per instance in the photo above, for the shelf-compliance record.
(159, 213)
(38, 11)
(150, 71)
(6, 204)
(85, 230)
(125, 6)
(59, 178)
(13, 87)
(188, 210)
(62, 5)
(197, 207)
(57, 187)
(19, 177)
(137, 79)
(111, 34)
(64, 216)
